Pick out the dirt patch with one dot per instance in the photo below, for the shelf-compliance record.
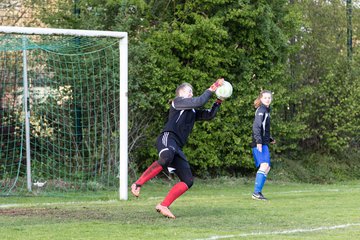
(57, 213)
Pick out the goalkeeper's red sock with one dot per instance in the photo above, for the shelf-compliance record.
(149, 173)
(176, 191)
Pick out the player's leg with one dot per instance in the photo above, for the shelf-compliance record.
(179, 188)
(262, 161)
(183, 171)
(154, 169)
(260, 179)
(166, 155)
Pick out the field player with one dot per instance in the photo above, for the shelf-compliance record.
(260, 141)
(182, 116)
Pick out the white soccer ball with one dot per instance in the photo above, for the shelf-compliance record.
(224, 91)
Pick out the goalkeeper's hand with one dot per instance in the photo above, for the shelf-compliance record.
(219, 101)
(216, 84)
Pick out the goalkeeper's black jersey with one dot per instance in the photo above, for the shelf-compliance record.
(183, 114)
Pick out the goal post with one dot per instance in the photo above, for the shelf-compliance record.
(63, 92)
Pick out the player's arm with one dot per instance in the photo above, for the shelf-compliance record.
(208, 114)
(257, 126)
(181, 103)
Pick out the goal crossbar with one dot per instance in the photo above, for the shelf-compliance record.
(58, 31)
(123, 118)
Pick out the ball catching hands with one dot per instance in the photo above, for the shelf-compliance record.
(216, 84)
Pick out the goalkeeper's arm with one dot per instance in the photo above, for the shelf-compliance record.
(208, 114)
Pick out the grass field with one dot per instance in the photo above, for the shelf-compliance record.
(215, 209)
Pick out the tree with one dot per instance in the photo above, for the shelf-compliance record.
(320, 68)
(239, 40)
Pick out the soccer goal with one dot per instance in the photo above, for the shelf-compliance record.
(63, 110)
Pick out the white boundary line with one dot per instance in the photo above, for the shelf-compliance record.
(305, 230)
(279, 193)
(160, 197)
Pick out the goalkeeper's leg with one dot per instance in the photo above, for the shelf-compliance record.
(182, 170)
(153, 170)
(166, 156)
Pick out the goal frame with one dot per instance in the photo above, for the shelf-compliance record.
(123, 78)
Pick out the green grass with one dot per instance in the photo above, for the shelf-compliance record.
(215, 209)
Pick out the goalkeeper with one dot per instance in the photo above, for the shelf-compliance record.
(182, 116)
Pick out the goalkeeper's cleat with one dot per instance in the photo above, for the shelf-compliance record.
(258, 196)
(164, 211)
(135, 189)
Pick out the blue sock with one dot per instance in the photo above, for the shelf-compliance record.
(259, 181)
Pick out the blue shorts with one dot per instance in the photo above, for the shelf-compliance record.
(261, 157)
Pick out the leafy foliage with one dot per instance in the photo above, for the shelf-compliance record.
(294, 48)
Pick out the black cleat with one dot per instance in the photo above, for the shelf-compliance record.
(258, 196)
